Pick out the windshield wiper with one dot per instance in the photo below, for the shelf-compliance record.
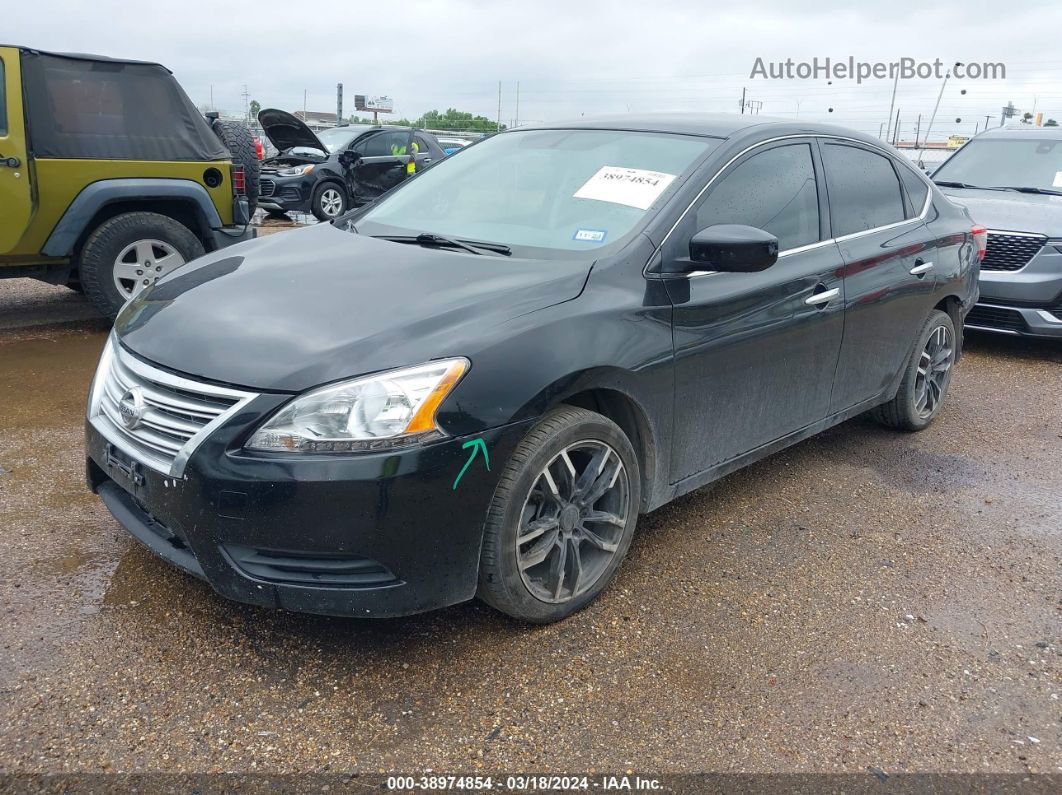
(430, 239)
(946, 184)
(1023, 189)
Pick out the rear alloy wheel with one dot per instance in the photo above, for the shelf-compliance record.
(143, 263)
(926, 377)
(562, 517)
(329, 201)
(126, 254)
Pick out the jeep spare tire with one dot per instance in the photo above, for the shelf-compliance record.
(240, 143)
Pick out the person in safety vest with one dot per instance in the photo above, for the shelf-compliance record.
(399, 149)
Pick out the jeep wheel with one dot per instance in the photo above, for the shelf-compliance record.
(240, 143)
(125, 254)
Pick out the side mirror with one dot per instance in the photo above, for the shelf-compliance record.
(347, 158)
(733, 248)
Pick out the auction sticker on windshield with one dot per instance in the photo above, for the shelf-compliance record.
(633, 187)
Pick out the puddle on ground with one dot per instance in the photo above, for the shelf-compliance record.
(44, 379)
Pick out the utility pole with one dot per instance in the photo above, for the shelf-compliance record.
(339, 104)
(935, 107)
(497, 126)
(742, 99)
(881, 129)
(892, 103)
(212, 97)
(896, 129)
(987, 117)
(516, 122)
(304, 93)
(918, 129)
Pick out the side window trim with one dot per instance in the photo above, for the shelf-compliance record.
(654, 258)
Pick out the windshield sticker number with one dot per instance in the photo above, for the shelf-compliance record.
(633, 187)
(590, 235)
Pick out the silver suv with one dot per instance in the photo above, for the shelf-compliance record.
(1011, 182)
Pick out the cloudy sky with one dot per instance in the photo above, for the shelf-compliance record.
(572, 58)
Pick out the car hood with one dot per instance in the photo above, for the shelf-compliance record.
(1011, 211)
(285, 131)
(297, 309)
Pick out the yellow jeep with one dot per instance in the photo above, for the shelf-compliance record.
(109, 175)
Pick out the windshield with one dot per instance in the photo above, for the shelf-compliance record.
(335, 139)
(1006, 162)
(564, 190)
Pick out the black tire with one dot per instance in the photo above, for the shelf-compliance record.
(904, 411)
(240, 143)
(328, 189)
(97, 258)
(501, 583)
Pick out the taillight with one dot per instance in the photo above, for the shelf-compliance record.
(239, 180)
(259, 150)
(980, 236)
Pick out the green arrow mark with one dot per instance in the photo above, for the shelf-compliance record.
(477, 445)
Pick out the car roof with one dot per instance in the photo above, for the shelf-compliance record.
(713, 125)
(1012, 133)
(82, 56)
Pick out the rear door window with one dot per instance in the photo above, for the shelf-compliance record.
(864, 190)
(774, 191)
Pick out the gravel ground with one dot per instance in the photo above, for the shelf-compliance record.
(864, 599)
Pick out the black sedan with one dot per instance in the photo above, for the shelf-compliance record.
(329, 172)
(475, 385)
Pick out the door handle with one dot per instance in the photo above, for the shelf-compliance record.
(10, 162)
(818, 299)
(921, 267)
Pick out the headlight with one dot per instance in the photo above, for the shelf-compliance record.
(295, 171)
(378, 412)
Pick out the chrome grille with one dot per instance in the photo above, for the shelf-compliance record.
(266, 187)
(1011, 252)
(175, 414)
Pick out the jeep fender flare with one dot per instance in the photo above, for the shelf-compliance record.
(96, 195)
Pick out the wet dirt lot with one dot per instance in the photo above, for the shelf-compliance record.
(865, 599)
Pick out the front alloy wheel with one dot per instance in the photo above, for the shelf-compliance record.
(331, 202)
(562, 517)
(573, 521)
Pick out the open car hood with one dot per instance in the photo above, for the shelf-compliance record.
(285, 131)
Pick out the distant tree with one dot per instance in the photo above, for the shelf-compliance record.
(1026, 118)
(1050, 123)
(452, 119)
(457, 120)
(254, 107)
